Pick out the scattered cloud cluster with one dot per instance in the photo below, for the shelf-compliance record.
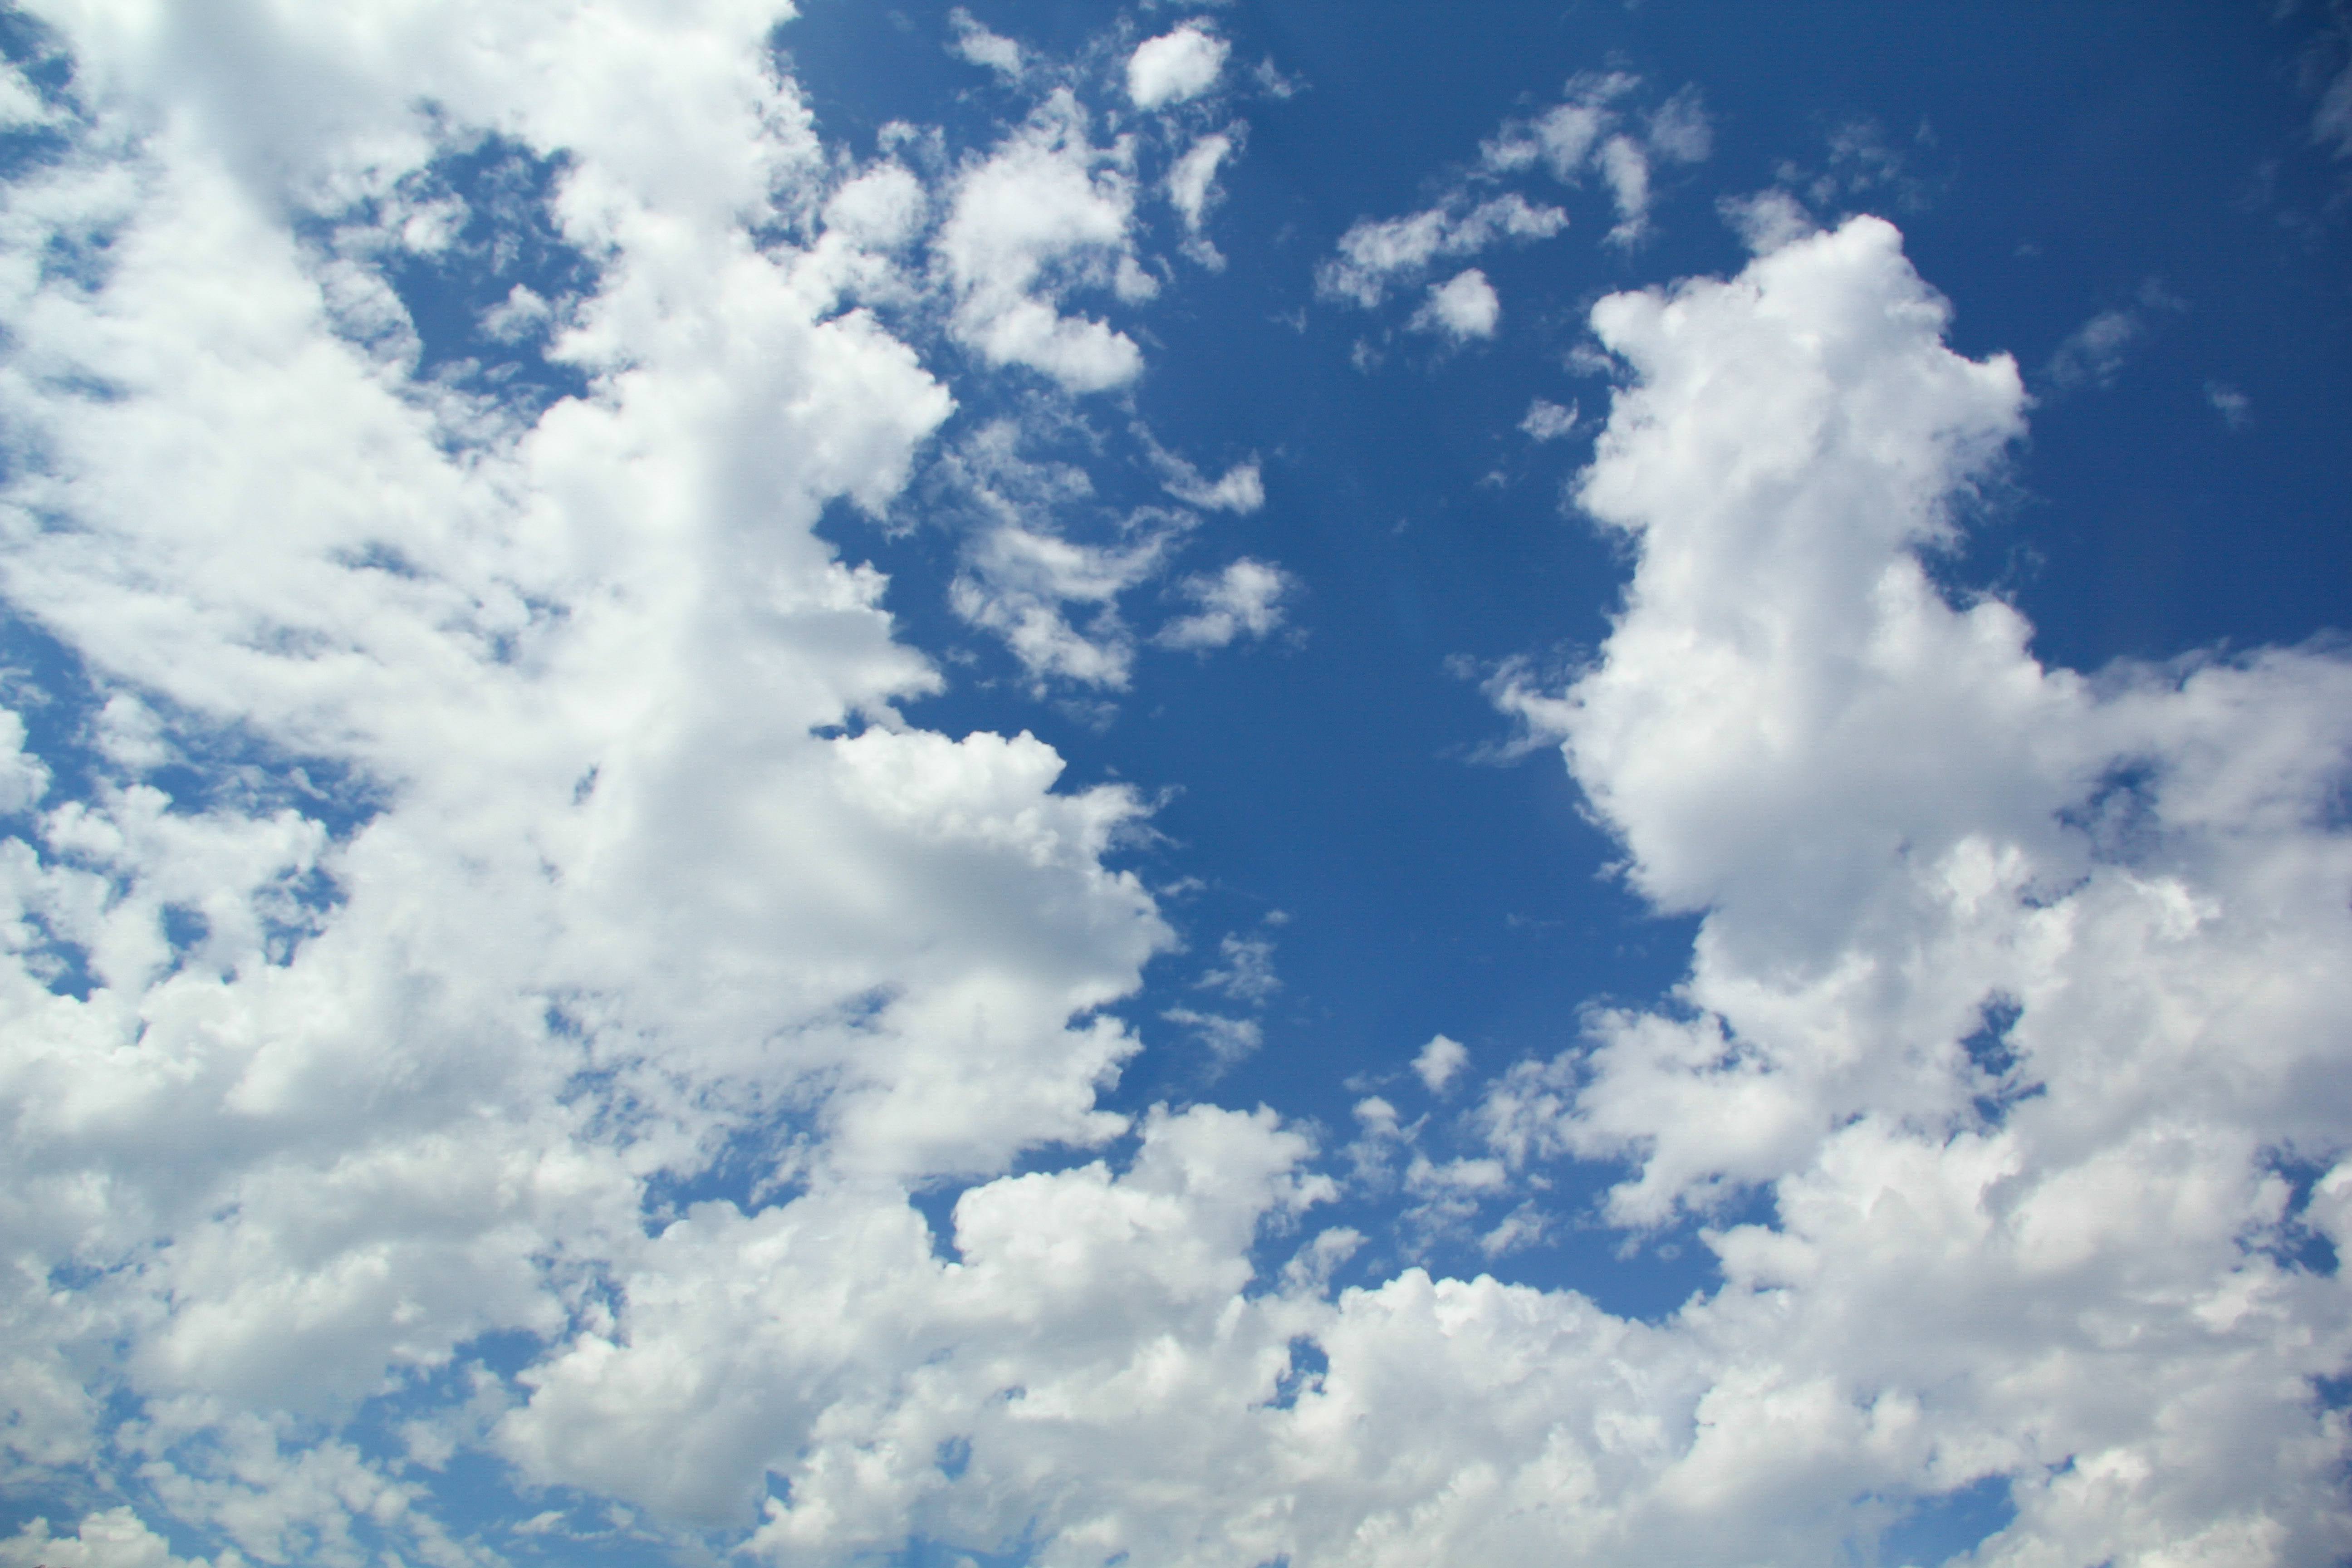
(1046, 562)
(1594, 129)
(1591, 131)
(1376, 257)
(491, 975)
(1043, 216)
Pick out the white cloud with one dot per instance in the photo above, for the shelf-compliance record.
(20, 101)
(2236, 409)
(1462, 308)
(1589, 131)
(1439, 1062)
(881, 209)
(976, 44)
(1238, 490)
(638, 862)
(1678, 130)
(2092, 353)
(1044, 213)
(1584, 131)
(1192, 183)
(1243, 600)
(1229, 1040)
(115, 1538)
(1563, 137)
(1374, 257)
(24, 779)
(1017, 580)
(523, 313)
(2007, 978)
(2332, 120)
(1176, 66)
(1627, 169)
(1247, 975)
(1548, 421)
(1045, 564)
(1766, 220)
(1039, 546)
(342, 1097)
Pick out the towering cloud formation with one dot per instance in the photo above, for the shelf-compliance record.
(2014, 988)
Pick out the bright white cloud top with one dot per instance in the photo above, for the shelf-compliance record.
(1176, 66)
(499, 968)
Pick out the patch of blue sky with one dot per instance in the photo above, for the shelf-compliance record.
(924, 1552)
(29, 143)
(472, 250)
(1936, 1529)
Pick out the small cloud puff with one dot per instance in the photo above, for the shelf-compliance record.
(1245, 600)
(1462, 308)
(982, 47)
(1548, 421)
(1247, 973)
(1766, 220)
(1176, 66)
(2093, 351)
(1229, 1040)
(1192, 183)
(1239, 490)
(1440, 1062)
(2236, 409)
(523, 313)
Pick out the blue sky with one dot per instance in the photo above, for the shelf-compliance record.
(1253, 784)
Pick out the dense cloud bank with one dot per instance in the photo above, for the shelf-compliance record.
(460, 812)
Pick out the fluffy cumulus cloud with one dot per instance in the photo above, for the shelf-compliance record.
(1176, 66)
(1439, 1062)
(113, 1538)
(1243, 600)
(2012, 989)
(493, 986)
(1043, 214)
(1462, 307)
